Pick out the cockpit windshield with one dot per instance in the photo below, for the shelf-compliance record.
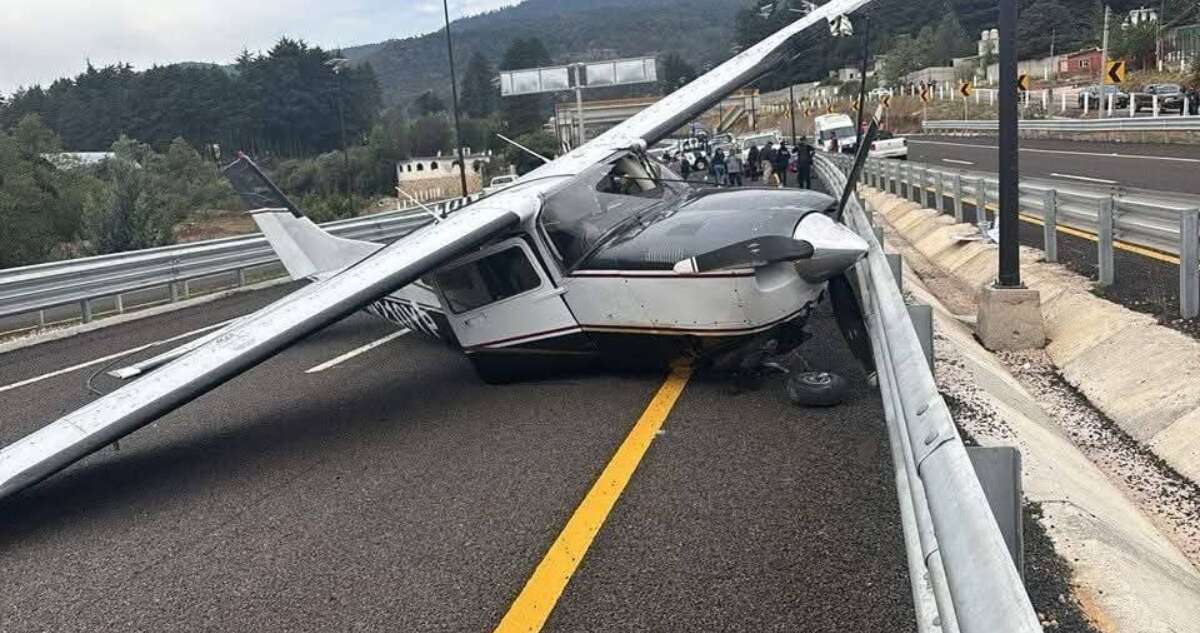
(576, 217)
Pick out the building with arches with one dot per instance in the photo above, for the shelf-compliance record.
(436, 177)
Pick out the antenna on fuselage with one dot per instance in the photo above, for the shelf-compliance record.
(523, 148)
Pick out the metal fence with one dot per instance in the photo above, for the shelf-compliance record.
(83, 281)
(962, 574)
(1144, 222)
(1114, 124)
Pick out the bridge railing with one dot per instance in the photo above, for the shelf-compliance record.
(1148, 223)
(83, 281)
(1113, 124)
(962, 574)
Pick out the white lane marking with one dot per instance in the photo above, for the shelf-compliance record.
(955, 161)
(105, 359)
(333, 362)
(1067, 152)
(1085, 178)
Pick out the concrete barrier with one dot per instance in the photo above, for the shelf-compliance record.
(1141, 375)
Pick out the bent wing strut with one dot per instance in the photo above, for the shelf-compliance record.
(248, 342)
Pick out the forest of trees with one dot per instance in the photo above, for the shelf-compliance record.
(283, 102)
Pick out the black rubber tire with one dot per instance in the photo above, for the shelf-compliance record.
(817, 388)
(701, 165)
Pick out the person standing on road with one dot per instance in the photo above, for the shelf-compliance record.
(804, 160)
(782, 158)
(735, 169)
(752, 163)
(720, 168)
(766, 159)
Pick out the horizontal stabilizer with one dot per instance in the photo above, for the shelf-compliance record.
(245, 344)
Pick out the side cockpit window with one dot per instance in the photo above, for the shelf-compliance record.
(486, 280)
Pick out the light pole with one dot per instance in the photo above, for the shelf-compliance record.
(337, 64)
(1010, 265)
(462, 161)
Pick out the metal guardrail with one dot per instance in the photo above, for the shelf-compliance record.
(962, 574)
(82, 281)
(1113, 124)
(1132, 220)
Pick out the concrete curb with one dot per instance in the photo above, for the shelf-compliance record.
(1128, 575)
(1141, 375)
(101, 323)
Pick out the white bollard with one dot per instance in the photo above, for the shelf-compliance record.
(1064, 102)
(1154, 104)
(1045, 99)
(1087, 101)
(1111, 100)
(1132, 105)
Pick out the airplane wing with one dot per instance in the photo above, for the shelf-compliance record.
(674, 111)
(246, 343)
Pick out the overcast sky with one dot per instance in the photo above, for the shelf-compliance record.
(41, 40)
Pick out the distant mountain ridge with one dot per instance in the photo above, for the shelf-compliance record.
(700, 30)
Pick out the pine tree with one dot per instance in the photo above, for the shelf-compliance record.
(479, 91)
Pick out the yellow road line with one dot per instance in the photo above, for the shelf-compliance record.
(533, 605)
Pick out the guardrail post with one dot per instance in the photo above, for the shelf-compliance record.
(981, 201)
(85, 311)
(174, 292)
(940, 190)
(921, 316)
(41, 319)
(187, 289)
(958, 198)
(896, 263)
(1189, 264)
(119, 302)
(1050, 224)
(1104, 233)
(241, 277)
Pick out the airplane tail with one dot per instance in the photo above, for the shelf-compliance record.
(306, 250)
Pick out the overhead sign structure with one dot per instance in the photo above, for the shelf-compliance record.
(618, 72)
(1023, 82)
(841, 26)
(965, 89)
(577, 77)
(1114, 71)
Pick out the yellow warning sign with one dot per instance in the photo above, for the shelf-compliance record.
(965, 89)
(1114, 71)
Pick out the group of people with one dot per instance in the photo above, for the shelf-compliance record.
(771, 165)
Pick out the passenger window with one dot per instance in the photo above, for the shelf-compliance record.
(498, 276)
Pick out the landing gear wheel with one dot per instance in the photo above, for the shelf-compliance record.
(816, 389)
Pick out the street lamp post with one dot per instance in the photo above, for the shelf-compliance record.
(462, 160)
(1010, 265)
(337, 65)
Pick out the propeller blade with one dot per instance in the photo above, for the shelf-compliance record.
(752, 253)
(849, 316)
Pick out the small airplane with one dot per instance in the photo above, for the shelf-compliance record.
(600, 258)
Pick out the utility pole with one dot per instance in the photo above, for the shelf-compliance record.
(1104, 60)
(792, 110)
(862, 80)
(1010, 265)
(337, 65)
(462, 159)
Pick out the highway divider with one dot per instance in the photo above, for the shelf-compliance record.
(82, 281)
(962, 574)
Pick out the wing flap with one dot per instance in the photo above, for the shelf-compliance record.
(243, 345)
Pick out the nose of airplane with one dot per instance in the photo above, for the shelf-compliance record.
(835, 247)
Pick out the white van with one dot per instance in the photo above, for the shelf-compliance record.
(828, 127)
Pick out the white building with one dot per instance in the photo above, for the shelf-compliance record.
(436, 177)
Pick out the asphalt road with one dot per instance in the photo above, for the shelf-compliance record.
(397, 492)
(1169, 168)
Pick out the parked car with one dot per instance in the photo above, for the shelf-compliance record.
(1170, 98)
(1097, 97)
(499, 182)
